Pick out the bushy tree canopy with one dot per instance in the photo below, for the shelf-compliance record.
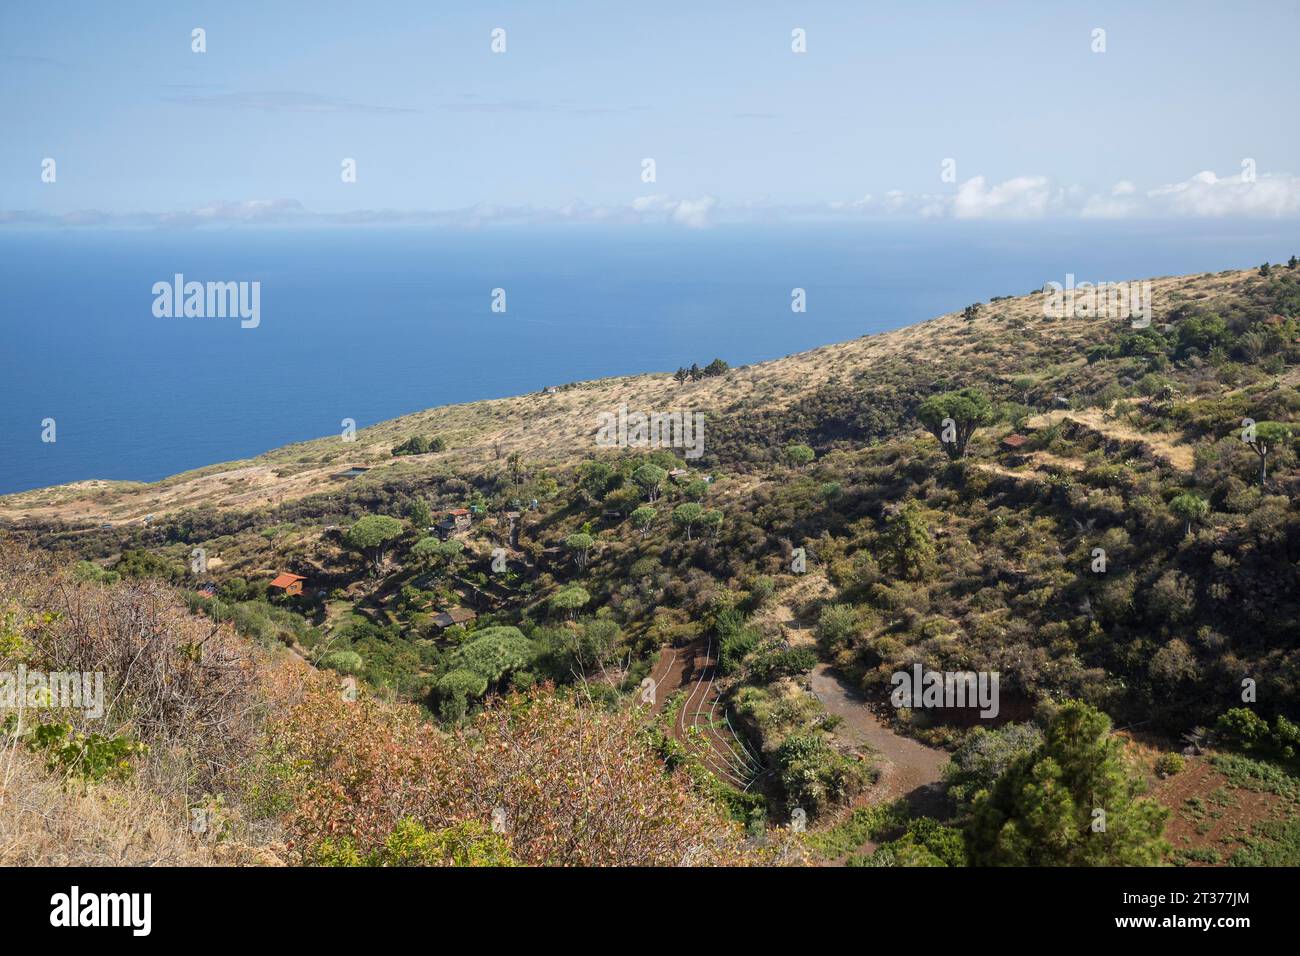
(1190, 508)
(966, 410)
(687, 516)
(493, 653)
(371, 535)
(570, 599)
(650, 478)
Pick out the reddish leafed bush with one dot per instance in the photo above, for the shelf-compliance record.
(569, 784)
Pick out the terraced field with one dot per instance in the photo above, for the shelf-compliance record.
(703, 725)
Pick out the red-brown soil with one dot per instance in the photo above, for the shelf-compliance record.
(702, 724)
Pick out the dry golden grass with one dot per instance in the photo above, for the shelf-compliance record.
(1166, 446)
(43, 823)
(559, 428)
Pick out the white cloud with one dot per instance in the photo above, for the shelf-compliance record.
(653, 203)
(1205, 194)
(1025, 197)
(250, 210)
(694, 212)
(1118, 204)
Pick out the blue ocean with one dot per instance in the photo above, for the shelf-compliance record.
(369, 324)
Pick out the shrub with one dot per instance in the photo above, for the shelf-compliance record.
(908, 540)
(139, 563)
(761, 590)
(925, 842)
(1245, 729)
(735, 647)
(419, 445)
(578, 786)
(1169, 764)
(799, 455)
(776, 662)
(813, 775)
(1172, 597)
(188, 690)
(345, 662)
(837, 625)
(985, 754)
(493, 653)
(465, 844)
(88, 571)
(455, 690)
(90, 758)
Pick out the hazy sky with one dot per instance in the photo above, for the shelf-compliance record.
(1038, 124)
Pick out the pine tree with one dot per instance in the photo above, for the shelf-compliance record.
(908, 541)
(1071, 802)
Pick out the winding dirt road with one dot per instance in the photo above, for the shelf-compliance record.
(908, 768)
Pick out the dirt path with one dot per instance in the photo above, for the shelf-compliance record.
(1034, 468)
(1167, 446)
(908, 768)
(781, 613)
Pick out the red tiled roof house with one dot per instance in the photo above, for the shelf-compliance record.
(457, 519)
(288, 583)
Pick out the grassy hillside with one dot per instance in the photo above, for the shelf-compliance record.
(1124, 552)
(854, 390)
